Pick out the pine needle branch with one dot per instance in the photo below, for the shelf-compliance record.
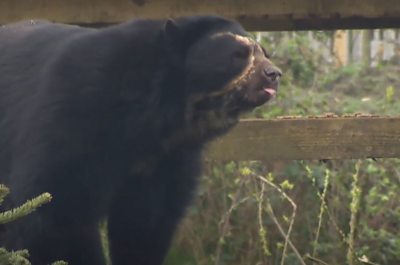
(24, 209)
(19, 257)
(4, 191)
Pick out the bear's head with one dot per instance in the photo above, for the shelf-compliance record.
(225, 71)
(234, 67)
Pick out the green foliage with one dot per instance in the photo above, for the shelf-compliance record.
(389, 94)
(25, 209)
(300, 63)
(342, 73)
(21, 211)
(354, 209)
(4, 191)
(323, 194)
(103, 229)
(20, 257)
(379, 221)
(175, 256)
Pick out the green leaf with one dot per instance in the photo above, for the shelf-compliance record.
(389, 94)
(286, 185)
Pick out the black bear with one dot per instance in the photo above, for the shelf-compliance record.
(112, 123)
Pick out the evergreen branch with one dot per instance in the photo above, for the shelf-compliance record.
(60, 262)
(4, 191)
(19, 257)
(24, 209)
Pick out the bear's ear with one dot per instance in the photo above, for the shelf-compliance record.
(173, 36)
(171, 29)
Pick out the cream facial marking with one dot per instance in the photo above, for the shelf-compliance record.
(247, 71)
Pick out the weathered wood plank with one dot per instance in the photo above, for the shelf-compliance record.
(256, 15)
(313, 138)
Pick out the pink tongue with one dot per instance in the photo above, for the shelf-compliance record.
(270, 91)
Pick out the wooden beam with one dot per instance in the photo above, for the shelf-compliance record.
(312, 138)
(254, 14)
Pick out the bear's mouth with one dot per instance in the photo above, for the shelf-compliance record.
(270, 91)
(243, 81)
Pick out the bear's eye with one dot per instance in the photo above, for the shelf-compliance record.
(242, 52)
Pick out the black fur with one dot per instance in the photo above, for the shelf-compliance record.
(112, 122)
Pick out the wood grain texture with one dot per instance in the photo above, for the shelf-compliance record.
(255, 15)
(313, 138)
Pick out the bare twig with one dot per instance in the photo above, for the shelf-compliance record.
(285, 235)
(225, 220)
(321, 211)
(262, 231)
(354, 208)
(316, 260)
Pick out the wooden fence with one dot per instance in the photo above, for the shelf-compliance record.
(310, 138)
(254, 14)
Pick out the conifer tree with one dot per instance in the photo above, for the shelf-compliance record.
(20, 257)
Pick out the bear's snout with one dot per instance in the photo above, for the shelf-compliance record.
(272, 73)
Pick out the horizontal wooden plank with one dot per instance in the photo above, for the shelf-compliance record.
(254, 14)
(312, 138)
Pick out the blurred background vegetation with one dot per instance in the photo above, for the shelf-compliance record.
(307, 212)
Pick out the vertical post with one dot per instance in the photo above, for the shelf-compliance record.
(380, 51)
(350, 46)
(340, 47)
(332, 42)
(397, 42)
(366, 48)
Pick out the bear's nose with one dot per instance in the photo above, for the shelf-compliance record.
(273, 73)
